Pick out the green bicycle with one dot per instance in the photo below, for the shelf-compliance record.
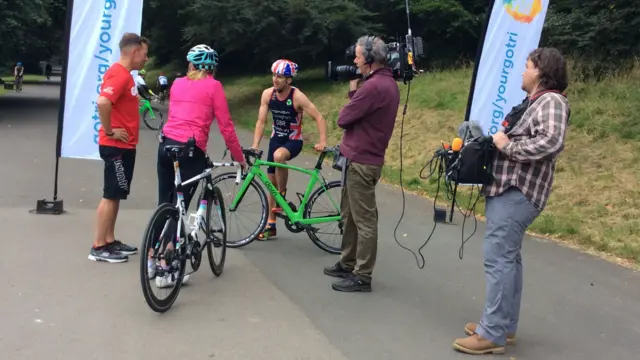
(297, 218)
(149, 115)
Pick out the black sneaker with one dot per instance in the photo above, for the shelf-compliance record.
(103, 253)
(119, 246)
(352, 283)
(337, 271)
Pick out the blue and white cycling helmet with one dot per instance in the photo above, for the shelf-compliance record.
(284, 67)
(203, 57)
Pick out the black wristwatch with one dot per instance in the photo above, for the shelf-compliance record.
(109, 135)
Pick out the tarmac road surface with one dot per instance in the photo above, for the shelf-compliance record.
(272, 302)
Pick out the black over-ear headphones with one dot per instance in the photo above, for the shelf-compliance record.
(368, 48)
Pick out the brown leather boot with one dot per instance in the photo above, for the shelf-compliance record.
(470, 329)
(477, 345)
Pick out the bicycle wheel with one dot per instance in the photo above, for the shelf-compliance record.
(151, 243)
(229, 189)
(217, 233)
(151, 118)
(333, 209)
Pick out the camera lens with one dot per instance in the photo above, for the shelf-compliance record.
(342, 72)
(347, 71)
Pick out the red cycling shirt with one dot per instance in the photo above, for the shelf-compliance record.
(118, 86)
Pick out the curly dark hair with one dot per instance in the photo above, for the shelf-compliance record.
(552, 68)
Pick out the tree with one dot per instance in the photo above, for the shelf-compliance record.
(33, 30)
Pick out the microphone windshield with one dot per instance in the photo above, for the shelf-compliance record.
(469, 130)
(456, 144)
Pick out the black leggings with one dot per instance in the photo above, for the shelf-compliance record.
(189, 167)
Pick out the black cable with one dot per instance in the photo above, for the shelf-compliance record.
(472, 210)
(439, 168)
(395, 231)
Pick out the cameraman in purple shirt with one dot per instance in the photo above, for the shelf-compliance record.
(368, 120)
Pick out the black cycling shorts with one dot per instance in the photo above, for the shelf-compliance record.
(118, 171)
(294, 147)
(189, 167)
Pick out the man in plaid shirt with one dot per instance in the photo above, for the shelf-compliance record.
(523, 168)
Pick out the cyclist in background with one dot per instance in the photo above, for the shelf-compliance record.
(48, 69)
(287, 105)
(18, 75)
(195, 101)
(143, 89)
(163, 84)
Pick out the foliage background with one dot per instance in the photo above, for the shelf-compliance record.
(250, 34)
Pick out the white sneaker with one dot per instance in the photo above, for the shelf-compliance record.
(151, 269)
(168, 281)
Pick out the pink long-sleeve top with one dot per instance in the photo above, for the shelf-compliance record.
(193, 105)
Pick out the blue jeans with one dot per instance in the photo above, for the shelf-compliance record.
(508, 216)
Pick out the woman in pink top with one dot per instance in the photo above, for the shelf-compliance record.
(195, 100)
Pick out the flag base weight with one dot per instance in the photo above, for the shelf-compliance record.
(440, 215)
(45, 207)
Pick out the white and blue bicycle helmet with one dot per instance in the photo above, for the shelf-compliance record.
(203, 57)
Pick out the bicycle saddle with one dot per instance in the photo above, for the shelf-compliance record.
(175, 149)
(178, 149)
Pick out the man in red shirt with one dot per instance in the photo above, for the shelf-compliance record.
(117, 140)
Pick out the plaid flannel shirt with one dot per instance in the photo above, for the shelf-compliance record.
(528, 160)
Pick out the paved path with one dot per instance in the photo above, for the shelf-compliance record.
(272, 302)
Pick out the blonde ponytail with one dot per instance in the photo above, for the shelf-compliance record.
(196, 74)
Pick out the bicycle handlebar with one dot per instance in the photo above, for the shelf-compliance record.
(212, 165)
(251, 154)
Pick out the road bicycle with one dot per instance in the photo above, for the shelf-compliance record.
(162, 97)
(152, 116)
(183, 247)
(297, 218)
(18, 83)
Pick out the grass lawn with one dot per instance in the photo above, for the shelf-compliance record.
(595, 203)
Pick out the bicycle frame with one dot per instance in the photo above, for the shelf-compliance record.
(146, 105)
(294, 216)
(202, 207)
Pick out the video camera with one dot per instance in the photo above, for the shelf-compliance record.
(401, 57)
